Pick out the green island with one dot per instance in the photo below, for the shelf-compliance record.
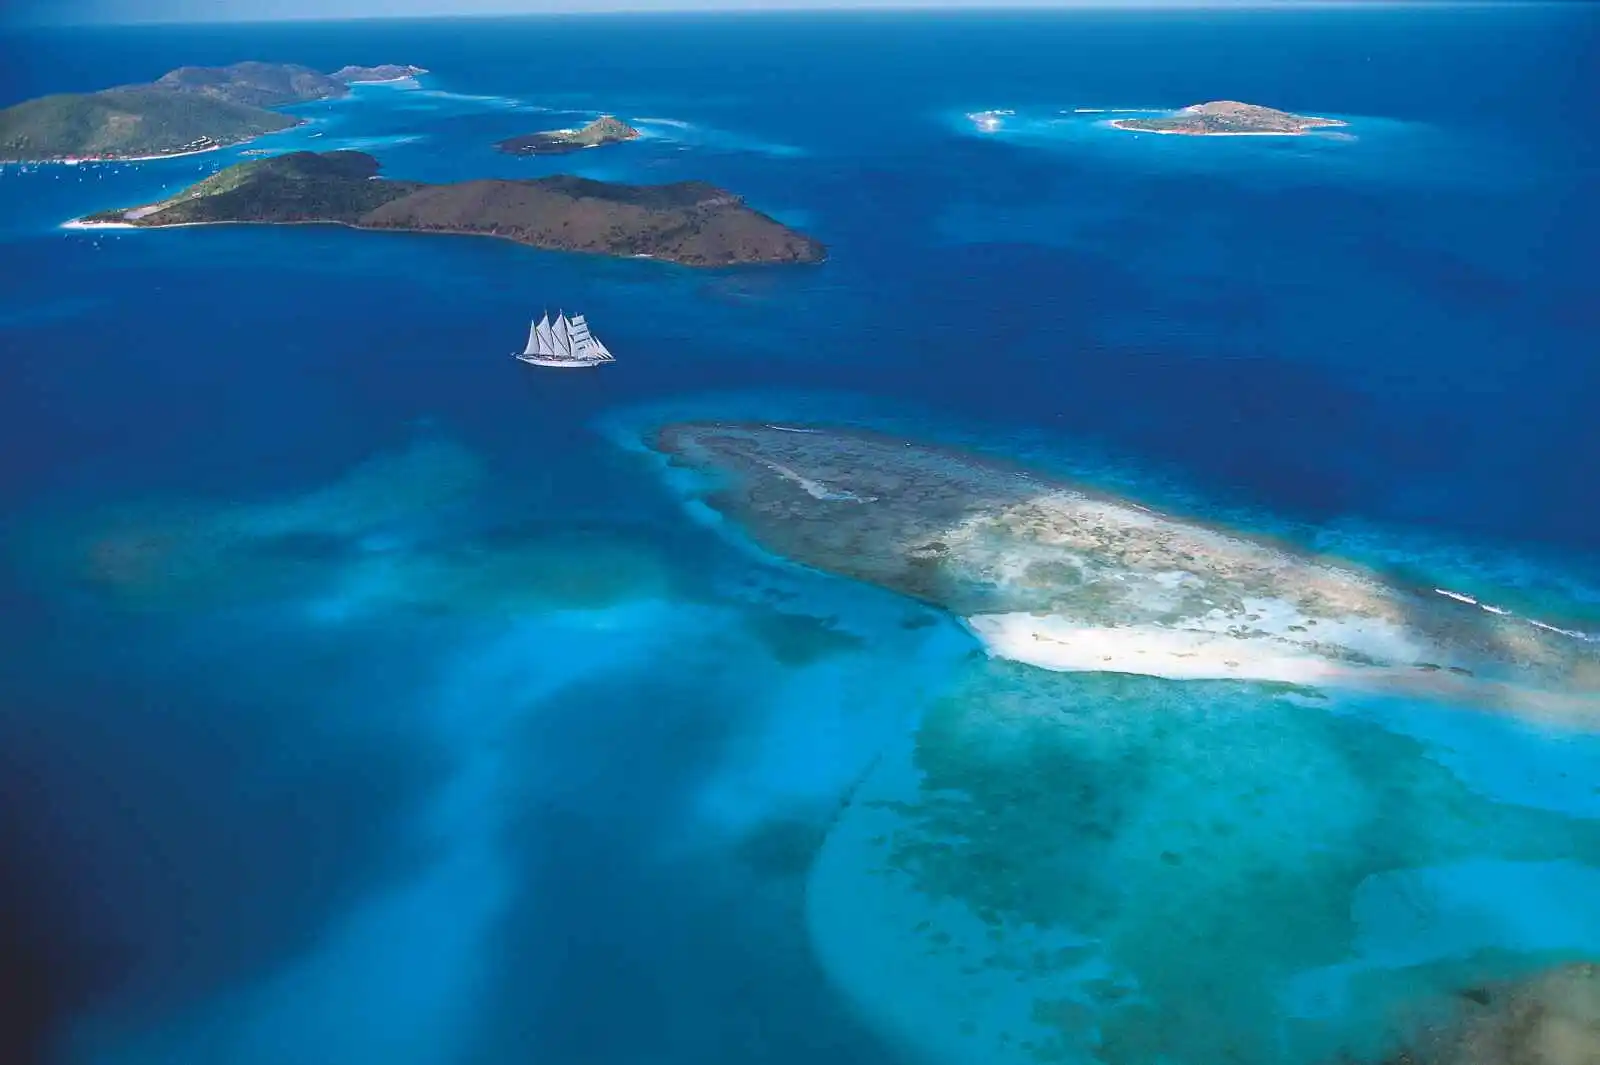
(191, 109)
(603, 130)
(688, 222)
(1225, 118)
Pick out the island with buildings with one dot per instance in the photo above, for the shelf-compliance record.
(688, 222)
(1227, 118)
(603, 130)
(191, 109)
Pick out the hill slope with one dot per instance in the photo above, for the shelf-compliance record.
(187, 109)
(1224, 117)
(603, 130)
(687, 222)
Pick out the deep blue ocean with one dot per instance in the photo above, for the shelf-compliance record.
(507, 759)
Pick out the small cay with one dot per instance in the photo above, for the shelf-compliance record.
(687, 222)
(1225, 118)
(603, 130)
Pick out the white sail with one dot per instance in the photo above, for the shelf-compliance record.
(564, 341)
(563, 338)
(535, 331)
(578, 329)
(584, 344)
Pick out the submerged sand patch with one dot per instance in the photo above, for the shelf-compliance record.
(405, 532)
(1093, 867)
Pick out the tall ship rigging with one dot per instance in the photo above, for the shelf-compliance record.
(563, 342)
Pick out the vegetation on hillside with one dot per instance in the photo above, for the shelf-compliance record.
(603, 130)
(187, 109)
(128, 122)
(687, 222)
(295, 187)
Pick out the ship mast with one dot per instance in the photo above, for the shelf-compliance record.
(563, 339)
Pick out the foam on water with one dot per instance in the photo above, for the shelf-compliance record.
(699, 135)
(369, 144)
(507, 103)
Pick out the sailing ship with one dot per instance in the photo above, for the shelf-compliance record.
(563, 342)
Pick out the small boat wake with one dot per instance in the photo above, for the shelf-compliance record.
(1461, 597)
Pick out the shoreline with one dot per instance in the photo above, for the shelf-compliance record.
(1064, 646)
(79, 223)
(89, 161)
(1119, 123)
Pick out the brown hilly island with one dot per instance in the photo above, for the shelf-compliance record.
(687, 222)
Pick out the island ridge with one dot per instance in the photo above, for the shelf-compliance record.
(687, 222)
(191, 109)
(1224, 118)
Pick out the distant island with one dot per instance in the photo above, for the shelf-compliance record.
(603, 130)
(1227, 118)
(191, 109)
(371, 75)
(688, 222)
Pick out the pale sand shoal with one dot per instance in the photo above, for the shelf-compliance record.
(1180, 654)
(1056, 643)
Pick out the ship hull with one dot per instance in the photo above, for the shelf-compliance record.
(560, 364)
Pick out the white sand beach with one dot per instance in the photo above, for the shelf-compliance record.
(1066, 646)
(1058, 643)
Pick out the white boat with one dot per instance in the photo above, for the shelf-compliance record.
(564, 342)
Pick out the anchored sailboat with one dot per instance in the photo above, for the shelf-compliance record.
(564, 342)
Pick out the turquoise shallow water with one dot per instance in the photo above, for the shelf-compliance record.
(370, 698)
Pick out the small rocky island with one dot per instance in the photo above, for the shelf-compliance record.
(687, 222)
(380, 73)
(190, 109)
(1225, 118)
(603, 130)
